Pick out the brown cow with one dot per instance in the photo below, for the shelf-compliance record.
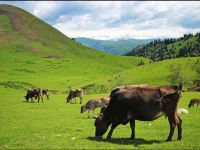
(92, 104)
(144, 104)
(73, 94)
(36, 93)
(194, 101)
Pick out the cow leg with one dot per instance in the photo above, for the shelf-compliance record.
(47, 96)
(114, 125)
(197, 104)
(88, 113)
(42, 99)
(80, 100)
(179, 125)
(132, 125)
(38, 99)
(93, 112)
(172, 127)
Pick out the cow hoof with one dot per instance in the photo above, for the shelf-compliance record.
(179, 138)
(108, 138)
(132, 138)
(168, 140)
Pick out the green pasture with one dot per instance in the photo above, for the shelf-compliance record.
(57, 125)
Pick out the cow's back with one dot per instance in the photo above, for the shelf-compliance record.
(139, 103)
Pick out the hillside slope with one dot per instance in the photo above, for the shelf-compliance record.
(186, 46)
(35, 53)
(117, 47)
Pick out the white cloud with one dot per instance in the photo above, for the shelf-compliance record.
(119, 19)
(146, 20)
(43, 9)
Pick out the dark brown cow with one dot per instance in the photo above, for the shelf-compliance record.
(73, 94)
(194, 101)
(36, 93)
(144, 104)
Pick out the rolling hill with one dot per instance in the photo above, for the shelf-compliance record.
(34, 53)
(117, 47)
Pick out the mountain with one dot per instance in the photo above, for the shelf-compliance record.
(117, 47)
(186, 46)
(33, 53)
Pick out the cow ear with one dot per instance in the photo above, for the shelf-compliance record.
(166, 97)
(100, 116)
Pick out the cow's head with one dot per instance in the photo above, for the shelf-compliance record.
(26, 97)
(83, 109)
(170, 101)
(101, 126)
(68, 99)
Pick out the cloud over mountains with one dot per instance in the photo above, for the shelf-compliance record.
(118, 19)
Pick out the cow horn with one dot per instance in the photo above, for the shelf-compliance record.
(95, 117)
(180, 86)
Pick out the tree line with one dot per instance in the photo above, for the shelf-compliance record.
(157, 50)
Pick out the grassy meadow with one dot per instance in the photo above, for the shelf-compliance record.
(57, 125)
(34, 54)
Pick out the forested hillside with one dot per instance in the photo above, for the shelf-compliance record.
(186, 46)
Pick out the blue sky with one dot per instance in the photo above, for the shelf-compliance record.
(117, 19)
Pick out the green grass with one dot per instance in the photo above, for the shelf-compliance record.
(57, 125)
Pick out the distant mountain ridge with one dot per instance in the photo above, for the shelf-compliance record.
(117, 47)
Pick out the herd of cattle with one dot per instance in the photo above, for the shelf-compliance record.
(129, 103)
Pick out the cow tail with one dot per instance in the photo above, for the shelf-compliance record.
(180, 111)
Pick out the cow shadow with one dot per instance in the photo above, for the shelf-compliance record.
(126, 141)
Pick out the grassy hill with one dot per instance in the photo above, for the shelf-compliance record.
(117, 47)
(186, 46)
(36, 53)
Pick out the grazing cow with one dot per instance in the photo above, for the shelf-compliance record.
(73, 94)
(36, 93)
(127, 87)
(194, 101)
(45, 92)
(144, 104)
(105, 100)
(91, 105)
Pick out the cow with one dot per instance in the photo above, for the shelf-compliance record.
(144, 104)
(45, 92)
(92, 104)
(128, 87)
(194, 101)
(73, 93)
(34, 93)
